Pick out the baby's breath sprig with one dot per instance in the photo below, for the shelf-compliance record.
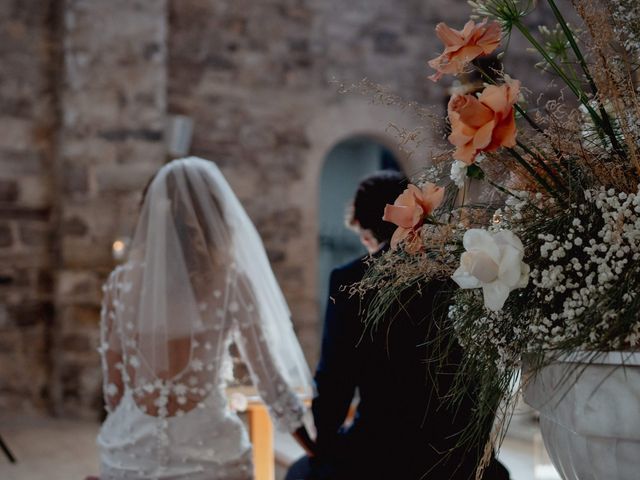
(556, 43)
(626, 16)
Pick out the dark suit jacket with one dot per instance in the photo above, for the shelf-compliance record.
(402, 430)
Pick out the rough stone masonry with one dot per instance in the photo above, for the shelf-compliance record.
(86, 87)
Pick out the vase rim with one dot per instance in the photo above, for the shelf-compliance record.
(628, 358)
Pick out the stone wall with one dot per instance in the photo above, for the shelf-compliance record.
(256, 77)
(85, 89)
(113, 108)
(27, 121)
(260, 81)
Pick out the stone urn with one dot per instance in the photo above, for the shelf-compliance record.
(589, 414)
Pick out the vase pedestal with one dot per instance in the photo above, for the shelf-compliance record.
(590, 414)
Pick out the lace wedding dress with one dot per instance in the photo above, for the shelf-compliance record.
(197, 279)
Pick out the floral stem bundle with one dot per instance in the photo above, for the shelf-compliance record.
(554, 265)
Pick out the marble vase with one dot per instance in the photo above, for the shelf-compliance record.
(590, 414)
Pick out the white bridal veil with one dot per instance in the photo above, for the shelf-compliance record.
(196, 267)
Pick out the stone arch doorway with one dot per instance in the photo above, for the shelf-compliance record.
(344, 166)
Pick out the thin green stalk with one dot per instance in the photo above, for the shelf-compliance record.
(533, 173)
(574, 45)
(608, 128)
(562, 74)
(529, 120)
(464, 193)
(566, 62)
(543, 164)
(557, 163)
(501, 189)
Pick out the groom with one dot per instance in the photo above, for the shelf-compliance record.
(401, 430)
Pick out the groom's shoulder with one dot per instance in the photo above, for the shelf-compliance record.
(356, 269)
(353, 271)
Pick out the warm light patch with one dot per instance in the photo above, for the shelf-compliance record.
(118, 248)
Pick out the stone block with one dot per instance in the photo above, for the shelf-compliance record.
(76, 343)
(9, 190)
(116, 178)
(9, 343)
(34, 344)
(4, 322)
(79, 287)
(86, 253)
(43, 281)
(35, 234)
(122, 134)
(17, 134)
(69, 378)
(278, 226)
(74, 227)
(82, 317)
(10, 381)
(17, 164)
(74, 178)
(102, 219)
(33, 281)
(28, 314)
(80, 388)
(80, 150)
(35, 190)
(116, 26)
(387, 42)
(140, 151)
(91, 108)
(6, 235)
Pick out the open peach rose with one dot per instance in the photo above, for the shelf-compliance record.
(483, 124)
(408, 213)
(463, 46)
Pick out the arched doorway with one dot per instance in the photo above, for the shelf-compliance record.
(345, 165)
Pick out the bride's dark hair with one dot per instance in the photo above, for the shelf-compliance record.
(189, 218)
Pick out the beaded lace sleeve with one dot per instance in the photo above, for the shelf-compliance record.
(110, 349)
(284, 404)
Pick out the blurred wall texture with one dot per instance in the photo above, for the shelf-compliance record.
(86, 90)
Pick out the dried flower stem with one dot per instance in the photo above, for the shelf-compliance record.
(608, 128)
(538, 178)
(561, 73)
(542, 164)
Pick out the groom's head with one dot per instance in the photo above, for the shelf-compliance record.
(365, 214)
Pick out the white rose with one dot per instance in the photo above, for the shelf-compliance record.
(493, 262)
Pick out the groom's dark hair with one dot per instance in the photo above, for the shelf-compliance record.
(374, 192)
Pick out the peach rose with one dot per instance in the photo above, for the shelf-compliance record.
(463, 46)
(483, 124)
(408, 212)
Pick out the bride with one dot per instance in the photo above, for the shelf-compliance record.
(197, 278)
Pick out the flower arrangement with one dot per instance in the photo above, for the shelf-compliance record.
(554, 266)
